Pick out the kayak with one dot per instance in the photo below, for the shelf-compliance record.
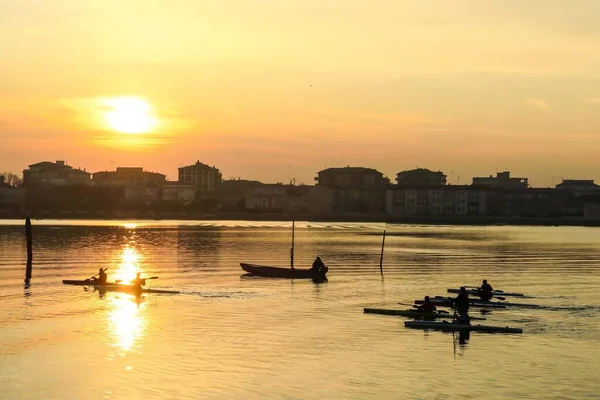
(279, 272)
(131, 289)
(446, 302)
(451, 326)
(85, 282)
(412, 313)
(475, 292)
(483, 303)
(116, 287)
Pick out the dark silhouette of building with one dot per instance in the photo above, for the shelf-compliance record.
(356, 189)
(204, 178)
(421, 176)
(351, 178)
(55, 174)
(436, 200)
(128, 177)
(501, 180)
(581, 186)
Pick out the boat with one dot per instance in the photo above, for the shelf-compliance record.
(452, 326)
(82, 282)
(289, 273)
(132, 289)
(447, 302)
(441, 300)
(280, 272)
(474, 291)
(412, 313)
(116, 287)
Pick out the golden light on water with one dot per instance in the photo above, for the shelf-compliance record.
(129, 115)
(129, 264)
(127, 321)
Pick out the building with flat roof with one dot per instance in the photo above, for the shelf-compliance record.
(56, 174)
(128, 177)
(203, 177)
(421, 176)
(501, 180)
(351, 178)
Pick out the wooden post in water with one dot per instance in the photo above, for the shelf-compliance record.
(29, 250)
(381, 258)
(292, 249)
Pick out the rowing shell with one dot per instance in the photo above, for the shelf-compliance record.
(116, 287)
(412, 313)
(483, 303)
(132, 289)
(476, 292)
(450, 326)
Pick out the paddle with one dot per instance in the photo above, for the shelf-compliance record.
(93, 276)
(121, 280)
(408, 304)
(416, 306)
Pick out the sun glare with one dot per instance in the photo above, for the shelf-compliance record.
(129, 115)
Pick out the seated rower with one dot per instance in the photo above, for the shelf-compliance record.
(102, 277)
(427, 306)
(486, 291)
(138, 282)
(317, 266)
(461, 305)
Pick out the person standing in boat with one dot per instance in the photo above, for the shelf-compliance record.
(427, 306)
(461, 305)
(486, 291)
(138, 282)
(102, 277)
(318, 266)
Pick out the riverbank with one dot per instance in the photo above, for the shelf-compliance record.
(329, 217)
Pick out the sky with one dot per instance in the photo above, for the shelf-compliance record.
(274, 90)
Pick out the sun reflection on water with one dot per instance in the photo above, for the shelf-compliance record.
(127, 322)
(129, 264)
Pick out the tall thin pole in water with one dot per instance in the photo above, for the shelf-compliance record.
(292, 249)
(381, 258)
(29, 238)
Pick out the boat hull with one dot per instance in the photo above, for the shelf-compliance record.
(448, 303)
(480, 303)
(278, 272)
(450, 326)
(475, 292)
(411, 313)
(115, 287)
(132, 289)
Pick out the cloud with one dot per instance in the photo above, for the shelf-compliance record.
(537, 103)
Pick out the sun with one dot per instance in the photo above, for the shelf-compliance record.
(130, 115)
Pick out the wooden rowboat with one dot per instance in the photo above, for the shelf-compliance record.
(279, 272)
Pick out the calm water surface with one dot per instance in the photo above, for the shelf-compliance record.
(228, 336)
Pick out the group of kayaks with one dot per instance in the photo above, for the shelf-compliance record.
(428, 320)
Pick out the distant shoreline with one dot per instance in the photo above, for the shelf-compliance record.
(373, 218)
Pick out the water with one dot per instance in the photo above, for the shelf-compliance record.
(229, 337)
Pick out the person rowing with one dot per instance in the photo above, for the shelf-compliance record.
(427, 306)
(102, 277)
(486, 291)
(461, 305)
(138, 282)
(318, 267)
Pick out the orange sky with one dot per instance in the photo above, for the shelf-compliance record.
(272, 90)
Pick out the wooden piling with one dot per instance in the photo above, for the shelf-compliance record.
(381, 258)
(29, 238)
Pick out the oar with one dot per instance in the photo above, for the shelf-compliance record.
(93, 276)
(121, 280)
(408, 304)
